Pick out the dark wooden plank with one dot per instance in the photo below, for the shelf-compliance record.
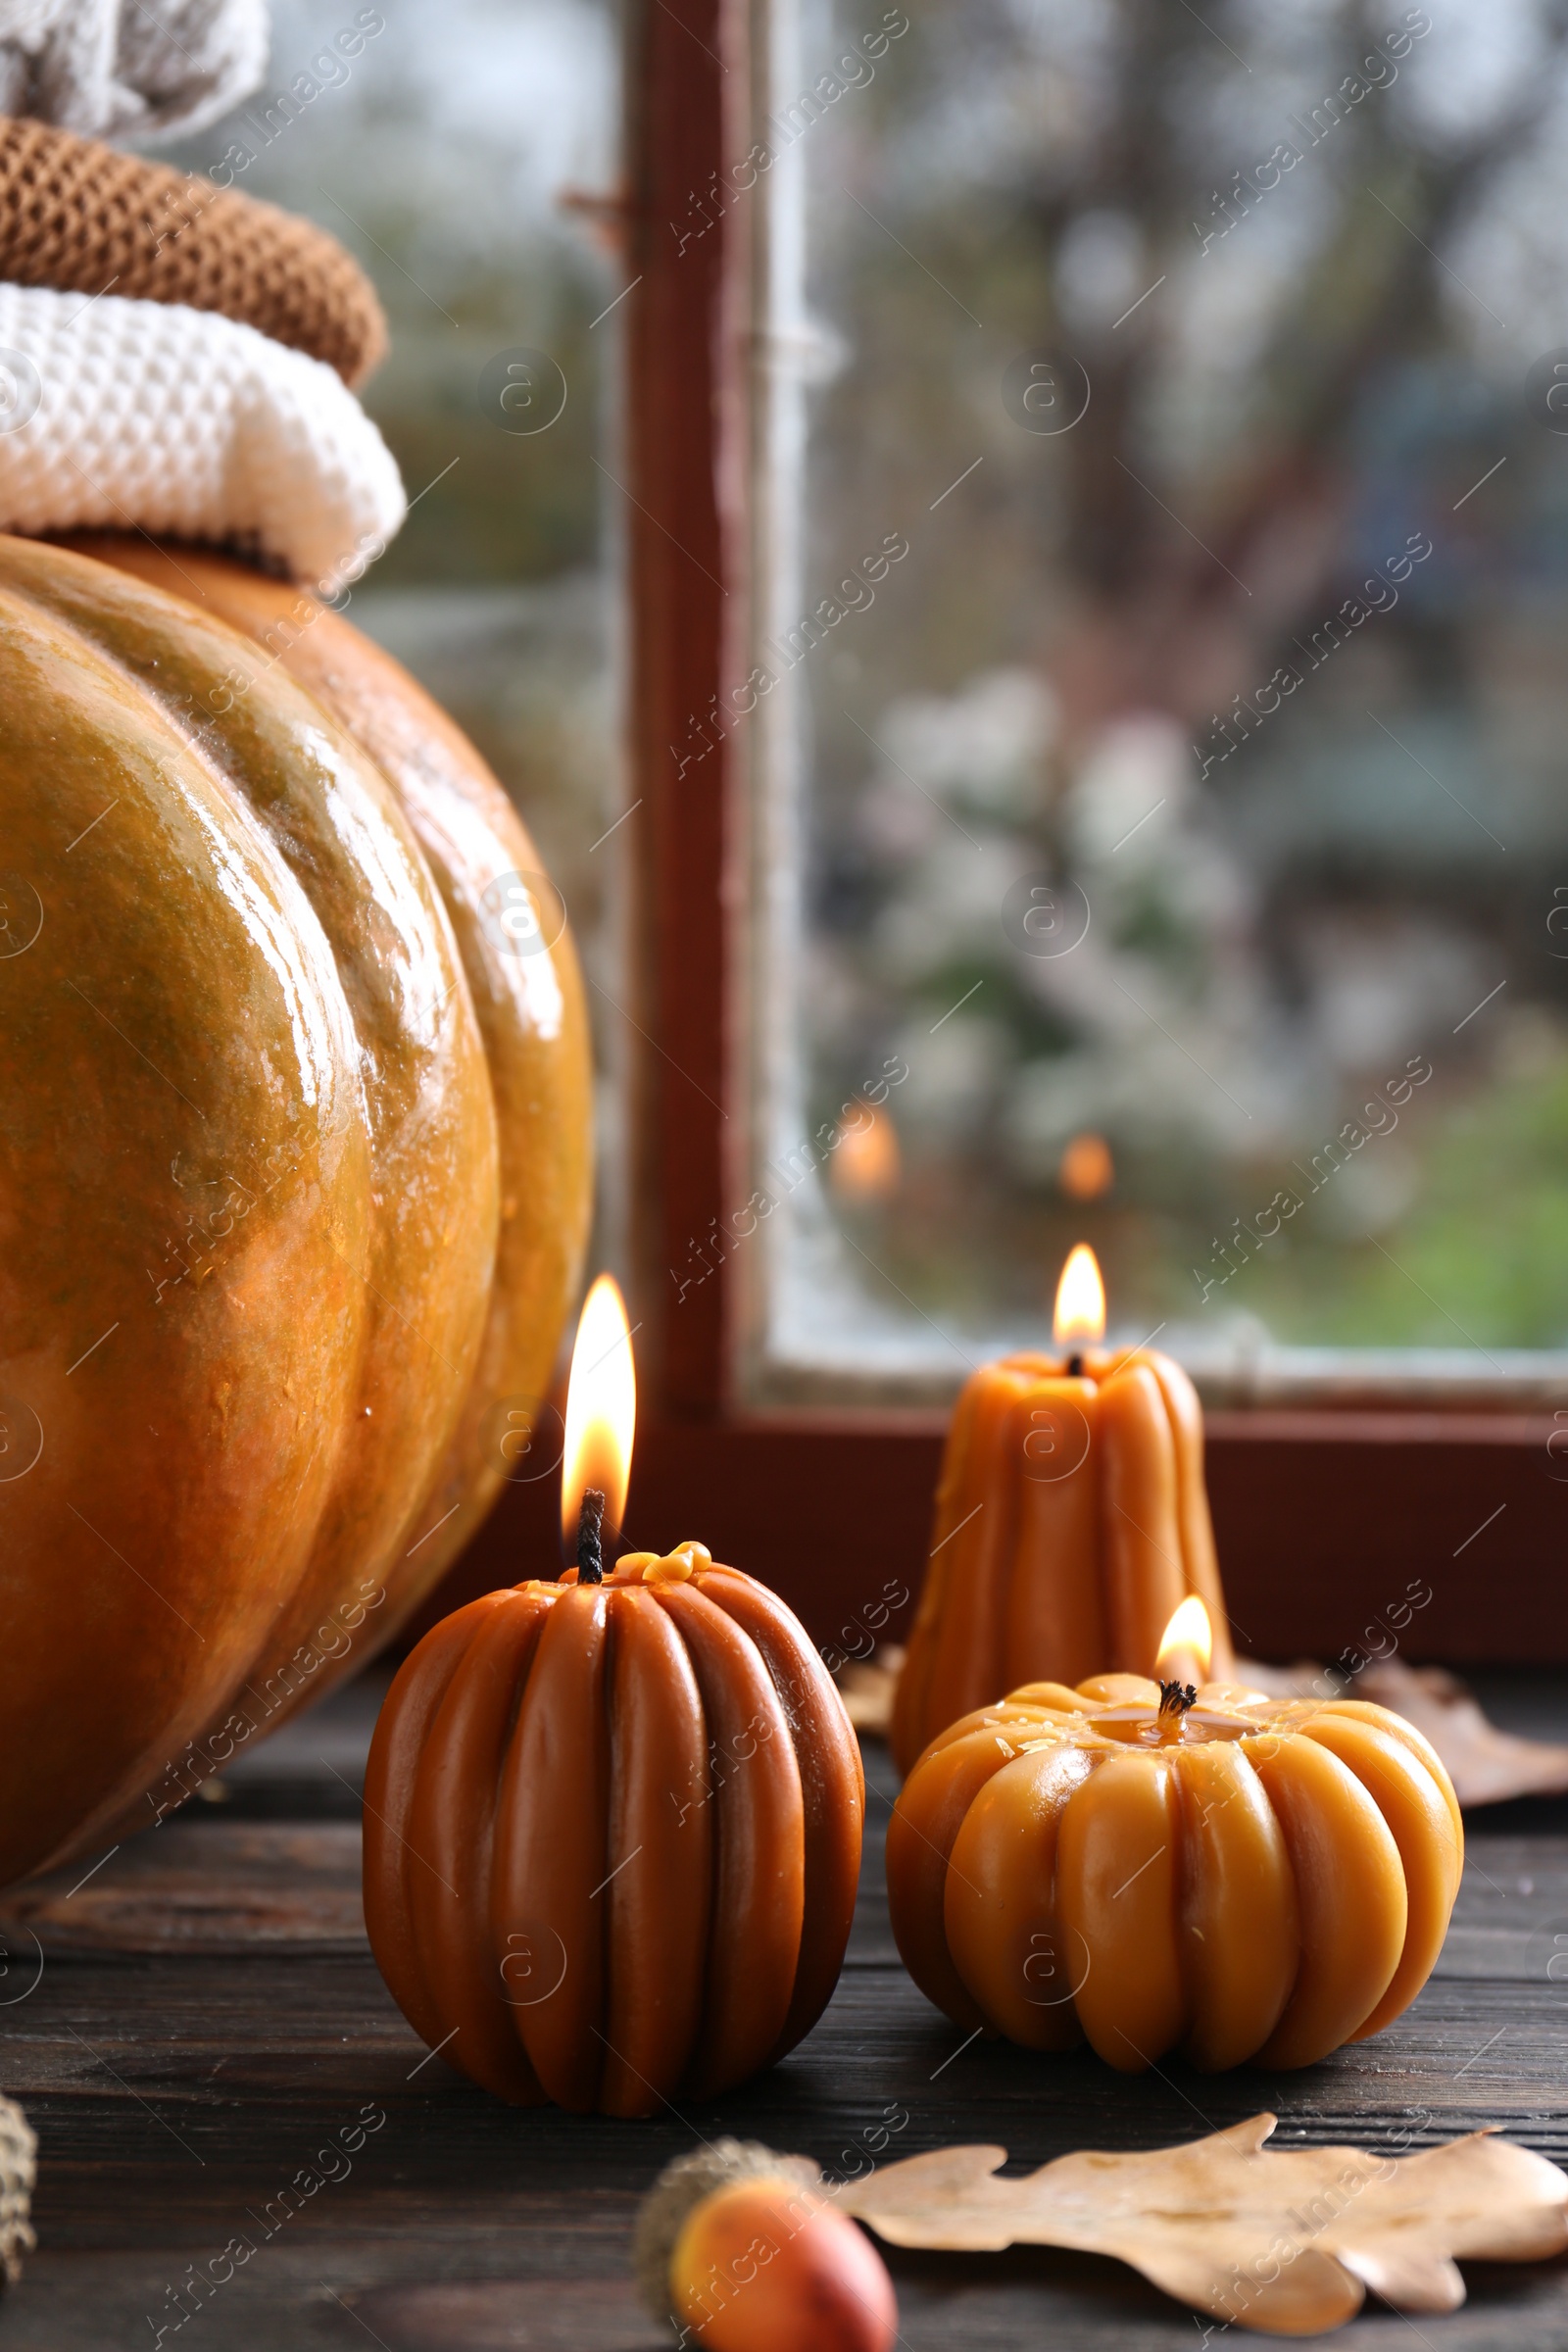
(179, 2093)
(209, 1883)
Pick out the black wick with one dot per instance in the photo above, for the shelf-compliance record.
(1176, 1698)
(590, 1548)
(1075, 1367)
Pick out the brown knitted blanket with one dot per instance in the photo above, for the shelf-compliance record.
(83, 218)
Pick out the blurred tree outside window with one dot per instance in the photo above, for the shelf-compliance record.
(1185, 805)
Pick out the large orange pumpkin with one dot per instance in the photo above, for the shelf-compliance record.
(295, 1170)
(613, 1836)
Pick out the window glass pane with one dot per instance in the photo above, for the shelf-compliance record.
(1168, 734)
(451, 152)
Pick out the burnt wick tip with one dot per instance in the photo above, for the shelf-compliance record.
(1076, 1366)
(1176, 1698)
(590, 1546)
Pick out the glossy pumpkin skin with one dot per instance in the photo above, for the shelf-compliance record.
(1038, 1575)
(1274, 1882)
(530, 1008)
(250, 1176)
(613, 1836)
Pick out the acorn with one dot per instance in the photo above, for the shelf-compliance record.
(18, 2149)
(743, 2250)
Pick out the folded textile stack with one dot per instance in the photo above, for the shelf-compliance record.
(175, 357)
(79, 216)
(115, 66)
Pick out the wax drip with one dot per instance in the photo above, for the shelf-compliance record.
(1075, 1367)
(590, 1552)
(1176, 1698)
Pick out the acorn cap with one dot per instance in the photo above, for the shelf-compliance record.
(18, 2149)
(680, 2187)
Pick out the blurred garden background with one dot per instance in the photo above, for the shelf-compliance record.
(1300, 262)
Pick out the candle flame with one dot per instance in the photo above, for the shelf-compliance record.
(867, 1158)
(1080, 1299)
(1189, 1635)
(1086, 1168)
(600, 1412)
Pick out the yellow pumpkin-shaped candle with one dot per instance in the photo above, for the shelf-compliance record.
(612, 1835)
(1071, 1520)
(1153, 1868)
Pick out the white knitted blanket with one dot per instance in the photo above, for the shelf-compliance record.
(120, 415)
(122, 68)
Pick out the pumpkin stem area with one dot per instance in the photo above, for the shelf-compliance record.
(590, 1546)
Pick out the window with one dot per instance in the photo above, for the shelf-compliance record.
(810, 320)
(1153, 714)
(1053, 649)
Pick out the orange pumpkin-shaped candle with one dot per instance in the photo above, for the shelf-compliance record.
(1155, 1868)
(612, 1835)
(1071, 1520)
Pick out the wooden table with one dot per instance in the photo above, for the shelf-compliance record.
(206, 2022)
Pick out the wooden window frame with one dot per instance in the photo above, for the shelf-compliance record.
(1323, 1516)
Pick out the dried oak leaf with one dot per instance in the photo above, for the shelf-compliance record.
(866, 1687)
(1485, 1765)
(1287, 2242)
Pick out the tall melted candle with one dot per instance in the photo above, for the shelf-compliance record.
(1071, 1522)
